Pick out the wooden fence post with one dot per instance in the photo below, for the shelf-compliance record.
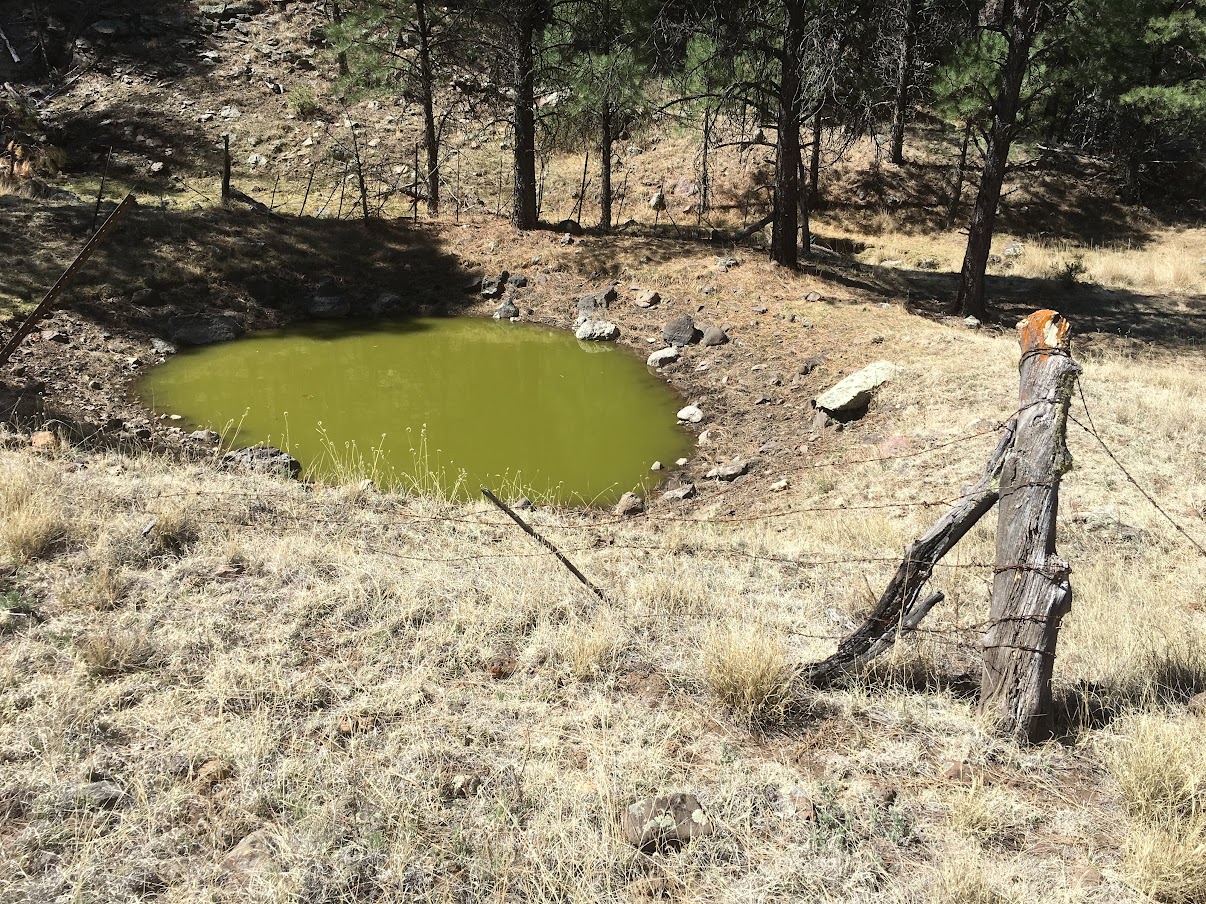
(1031, 592)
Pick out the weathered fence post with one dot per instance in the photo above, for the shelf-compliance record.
(1031, 592)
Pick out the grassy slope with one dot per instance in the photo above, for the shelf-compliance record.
(284, 661)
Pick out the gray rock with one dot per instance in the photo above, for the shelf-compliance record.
(686, 491)
(630, 504)
(494, 286)
(208, 437)
(159, 347)
(663, 356)
(204, 329)
(1014, 249)
(972, 323)
(729, 470)
(691, 414)
(506, 310)
(855, 391)
(665, 823)
(1105, 524)
(594, 302)
(714, 335)
(263, 460)
(597, 331)
(647, 298)
(328, 307)
(517, 281)
(680, 331)
(815, 296)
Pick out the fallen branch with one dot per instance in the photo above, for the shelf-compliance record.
(898, 609)
(11, 52)
(545, 543)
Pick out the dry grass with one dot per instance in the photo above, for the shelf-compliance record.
(746, 667)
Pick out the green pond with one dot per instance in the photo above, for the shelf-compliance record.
(435, 404)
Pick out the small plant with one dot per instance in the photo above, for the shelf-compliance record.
(594, 648)
(116, 651)
(748, 672)
(32, 530)
(303, 101)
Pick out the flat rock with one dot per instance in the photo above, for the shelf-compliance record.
(680, 331)
(855, 391)
(667, 822)
(663, 356)
(714, 335)
(678, 494)
(647, 298)
(204, 329)
(729, 470)
(597, 331)
(630, 504)
(263, 460)
(691, 414)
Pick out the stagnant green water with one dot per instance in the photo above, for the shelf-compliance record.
(453, 403)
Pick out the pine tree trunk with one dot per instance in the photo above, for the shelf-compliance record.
(805, 215)
(1030, 592)
(952, 210)
(784, 248)
(904, 81)
(523, 214)
(430, 141)
(1020, 33)
(605, 140)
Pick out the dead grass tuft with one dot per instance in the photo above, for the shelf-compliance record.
(1160, 767)
(595, 647)
(116, 651)
(1168, 862)
(747, 669)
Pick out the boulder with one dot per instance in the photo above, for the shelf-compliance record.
(494, 286)
(506, 310)
(630, 504)
(680, 331)
(328, 307)
(667, 822)
(691, 414)
(204, 329)
(855, 391)
(647, 298)
(663, 356)
(159, 347)
(263, 460)
(729, 470)
(593, 302)
(597, 331)
(714, 335)
(686, 491)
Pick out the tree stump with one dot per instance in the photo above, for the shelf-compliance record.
(1031, 592)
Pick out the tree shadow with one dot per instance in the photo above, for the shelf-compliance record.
(162, 270)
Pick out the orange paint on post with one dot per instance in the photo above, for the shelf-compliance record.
(1043, 330)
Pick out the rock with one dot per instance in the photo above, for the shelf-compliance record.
(725, 264)
(761, 309)
(854, 392)
(691, 414)
(681, 461)
(779, 485)
(517, 281)
(1105, 524)
(263, 460)
(593, 302)
(386, 302)
(208, 437)
(729, 470)
(524, 504)
(55, 336)
(506, 310)
(103, 795)
(328, 307)
(630, 504)
(204, 329)
(928, 263)
(714, 335)
(597, 331)
(665, 823)
(972, 323)
(647, 298)
(159, 347)
(250, 856)
(656, 466)
(810, 364)
(1014, 249)
(813, 296)
(686, 491)
(494, 286)
(663, 356)
(680, 331)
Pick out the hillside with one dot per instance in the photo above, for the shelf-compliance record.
(218, 686)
